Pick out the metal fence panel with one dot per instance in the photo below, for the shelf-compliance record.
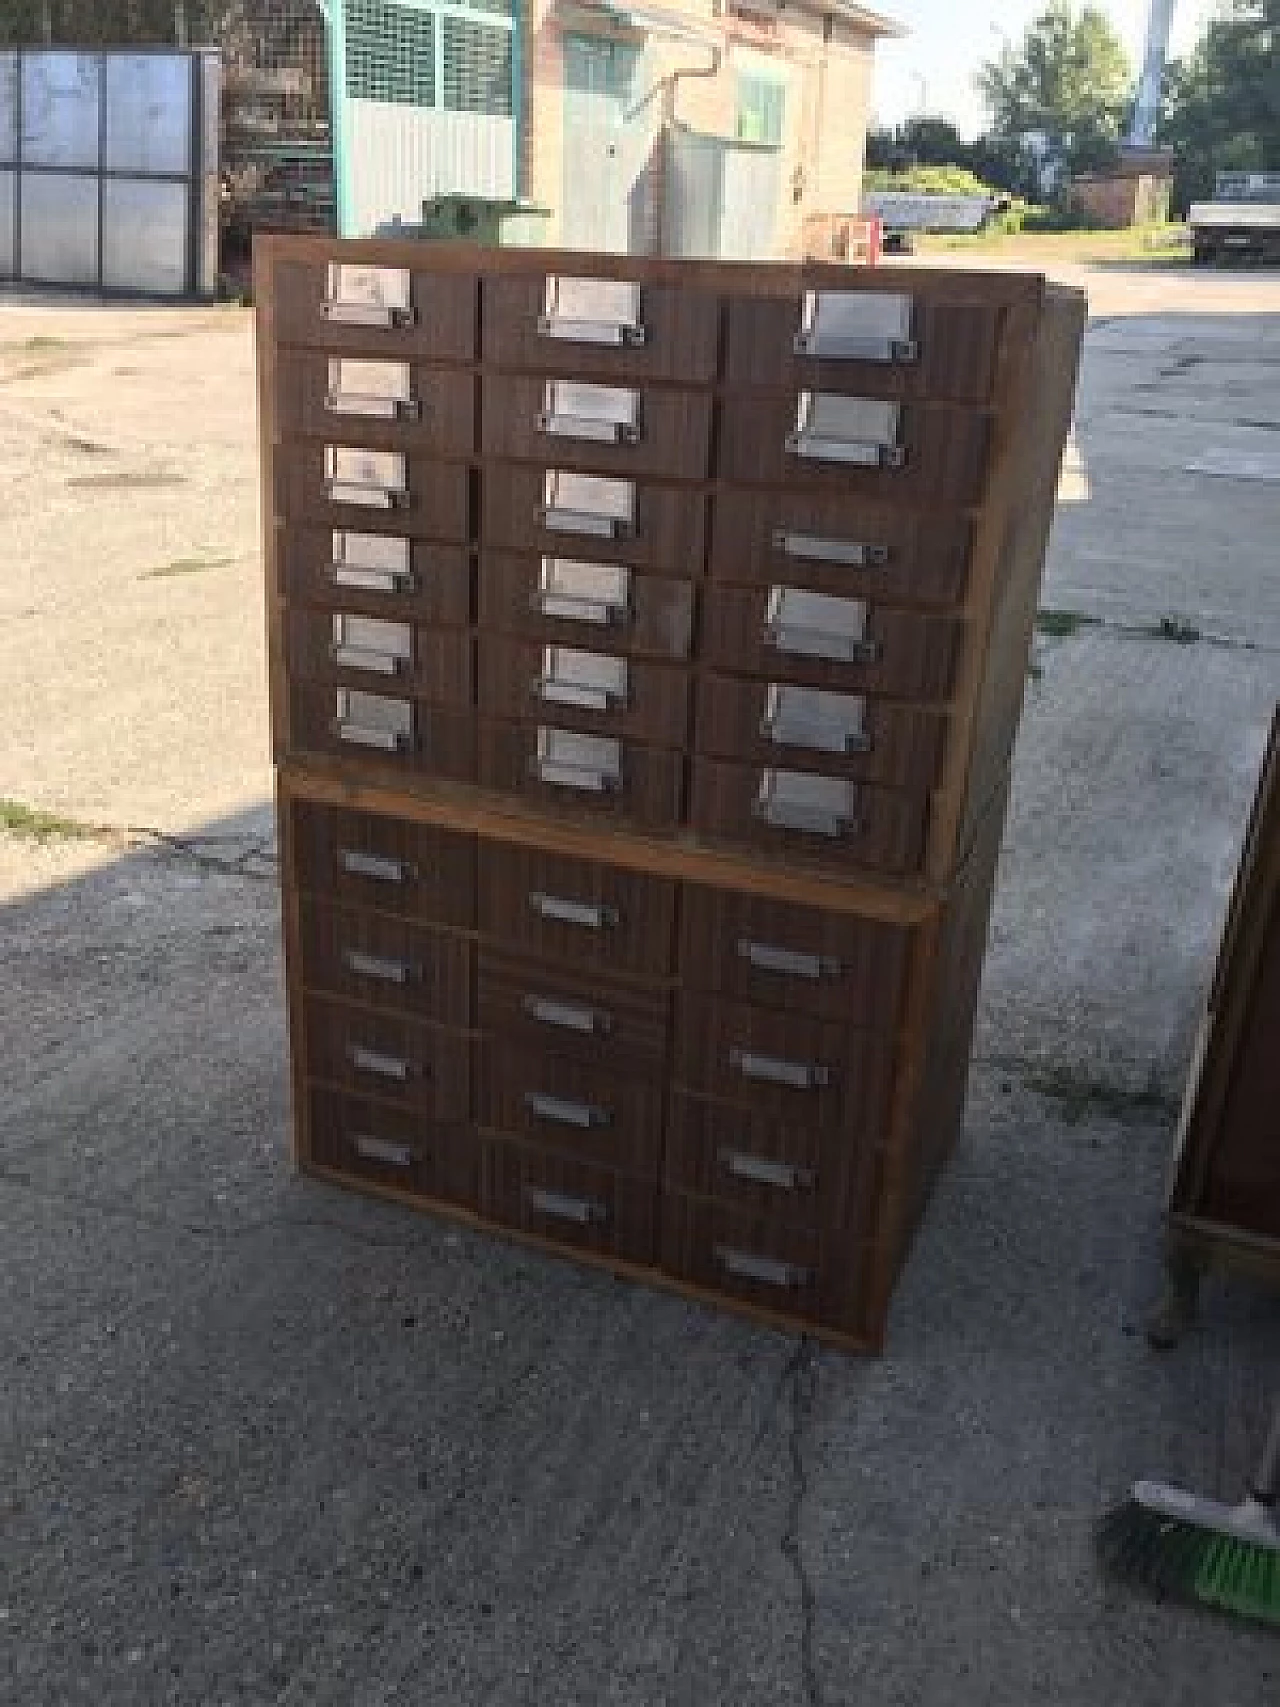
(144, 235)
(59, 213)
(148, 126)
(61, 119)
(8, 215)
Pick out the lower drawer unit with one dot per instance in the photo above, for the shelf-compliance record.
(567, 1202)
(538, 1005)
(378, 573)
(390, 864)
(584, 688)
(565, 770)
(573, 1107)
(374, 1144)
(385, 962)
(577, 601)
(389, 1056)
(387, 731)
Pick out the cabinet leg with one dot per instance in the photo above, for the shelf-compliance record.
(1176, 1310)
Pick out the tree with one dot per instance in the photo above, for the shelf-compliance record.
(1068, 80)
(1222, 104)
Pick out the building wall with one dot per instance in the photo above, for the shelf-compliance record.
(1123, 200)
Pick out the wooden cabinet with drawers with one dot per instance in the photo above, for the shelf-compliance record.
(647, 645)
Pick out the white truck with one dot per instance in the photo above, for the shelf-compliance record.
(1243, 219)
(903, 212)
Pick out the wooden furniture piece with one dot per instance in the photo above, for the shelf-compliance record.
(648, 640)
(1223, 1198)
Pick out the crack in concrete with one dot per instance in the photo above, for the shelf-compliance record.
(801, 1380)
(191, 850)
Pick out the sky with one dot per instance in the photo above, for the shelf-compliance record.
(950, 38)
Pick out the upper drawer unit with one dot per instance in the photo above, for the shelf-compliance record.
(601, 328)
(886, 343)
(377, 401)
(620, 429)
(392, 311)
(928, 454)
(562, 512)
(349, 486)
(365, 859)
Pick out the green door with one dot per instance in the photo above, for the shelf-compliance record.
(604, 151)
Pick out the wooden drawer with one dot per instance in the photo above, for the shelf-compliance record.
(389, 1056)
(377, 573)
(388, 312)
(567, 1202)
(576, 911)
(401, 405)
(788, 1067)
(581, 688)
(338, 484)
(788, 1173)
(578, 602)
(572, 1106)
(839, 642)
(828, 820)
(607, 519)
(384, 654)
(566, 771)
(629, 430)
(943, 451)
(841, 545)
(596, 329)
(538, 1006)
(366, 860)
(774, 1264)
(385, 961)
(780, 723)
(833, 965)
(387, 734)
(377, 1144)
(950, 347)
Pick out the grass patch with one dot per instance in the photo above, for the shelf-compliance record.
(19, 820)
(125, 481)
(1061, 624)
(184, 566)
(1084, 1098)
(39, 345)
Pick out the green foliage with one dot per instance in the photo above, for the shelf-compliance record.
(999, 164)
(930, 180)
(1069, 79)
(1222, 104)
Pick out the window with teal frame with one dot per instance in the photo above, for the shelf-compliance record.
(762, 101)
(453, 54)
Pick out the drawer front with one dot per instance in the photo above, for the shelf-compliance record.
(775, 722)
(826, 820)
(841, 546)
(420, 498)
(787, 1173)
(788, 1067)
(366, 860)
(378, 574)
(583, 688)
(577, 912)
(938, 454)
(799, 959)
(578, 775)
(383, 654)
(389, 1056)
(399, 404)
(540, 1006)
(598, 329)
(389, 734)
(378, 1144)
(634, 522)
(839, 642)
(386, 962)
(386, 312)
(629, 430)
(895, 344)
(577, 602)
(774, 1264)
(571, 1106)
(568, 1202)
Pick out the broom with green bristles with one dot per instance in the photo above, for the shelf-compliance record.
(1195, 1549)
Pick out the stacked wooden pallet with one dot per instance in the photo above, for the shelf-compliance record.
(648, 640)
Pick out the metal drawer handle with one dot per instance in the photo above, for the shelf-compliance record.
(367, 658)
(742, 1265)
(557, 520)
(371, 497)
(375, 966)
(759, 1170)
(817, 643)
(356, 579)
(819, 721)
(775, 1070)
(583, 1210)
(357, 864)
(369, 314)
(591, 917)
(591, 311)
(786, 815)
(385, 740)
(381, 1066)
(568, 1016)
(855, 453)
(382, 1150)
(864, 326)
(368, 296)
(813, 548)
(766, 958)
(564, 607)
(581, 696)
(374, 408)
(563, 1111)
(588, 428)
